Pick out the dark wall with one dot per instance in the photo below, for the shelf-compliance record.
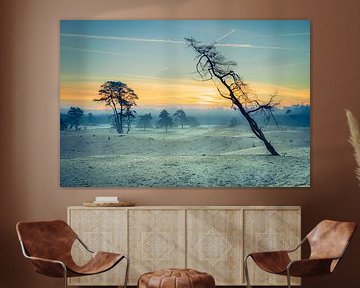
(29, 112)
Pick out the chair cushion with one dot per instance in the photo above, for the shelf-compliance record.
(176, 278)
(99, 262)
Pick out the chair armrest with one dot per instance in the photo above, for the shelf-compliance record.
(48, 267)
(45, 260)
(309, 267)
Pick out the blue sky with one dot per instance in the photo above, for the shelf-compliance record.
(152, 57)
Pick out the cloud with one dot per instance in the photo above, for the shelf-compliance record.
(236, 45)
(94, 51)
(156, 91)
(149, 40)
(281, 66)
(287, 95)
(119, 38)
(293, 34)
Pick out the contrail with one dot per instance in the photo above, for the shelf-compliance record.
(122, 38)
(94, 51)
(225, 35)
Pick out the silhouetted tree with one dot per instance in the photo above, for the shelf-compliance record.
(90, 119)
(212, 65)
(129, 115)
(63, 122)
(121, 99)
(74, 116)
(165, 120)
(180, 117)
(145, 121)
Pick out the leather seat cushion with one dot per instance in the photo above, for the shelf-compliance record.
(176, 278)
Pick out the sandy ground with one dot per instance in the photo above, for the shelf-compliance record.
(207, 156)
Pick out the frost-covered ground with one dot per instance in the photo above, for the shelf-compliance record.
(206, 156)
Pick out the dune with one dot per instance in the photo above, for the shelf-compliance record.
(206, 156)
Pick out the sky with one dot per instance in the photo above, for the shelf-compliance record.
(152, 57)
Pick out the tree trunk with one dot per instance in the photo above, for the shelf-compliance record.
(255, 128)
(253, 125)
(117, 124)
(121, 119)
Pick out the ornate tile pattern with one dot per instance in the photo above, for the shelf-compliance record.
(270, 230)
(214, 241)
(156, 241)
(269, 240)
(156, 246)
(213, 246)
(101, 230)
(207, 239)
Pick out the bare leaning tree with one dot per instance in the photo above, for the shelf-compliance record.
(212, 66)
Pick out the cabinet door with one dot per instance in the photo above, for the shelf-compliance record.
(270, 230)
(100, 230)
(156, 240)
(214, 244)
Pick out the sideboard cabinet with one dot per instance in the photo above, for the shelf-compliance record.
(211, 239)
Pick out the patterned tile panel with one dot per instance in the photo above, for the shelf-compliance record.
(214, 241)
(100, 230)
(157, 240)
(270, 230)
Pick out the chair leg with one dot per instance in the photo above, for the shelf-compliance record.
(288, 278)
(65, 276)
(126, 271)
(246, 270)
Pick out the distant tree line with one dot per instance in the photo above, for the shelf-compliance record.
(179, 118)
(75, 117)
(293, 116)
(72, 119)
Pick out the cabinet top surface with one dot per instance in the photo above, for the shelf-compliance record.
(192, 207)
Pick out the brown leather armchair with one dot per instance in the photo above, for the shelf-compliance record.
(48, 245)
(328, 242)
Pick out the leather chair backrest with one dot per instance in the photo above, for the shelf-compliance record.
(329, 239)
(46, 239)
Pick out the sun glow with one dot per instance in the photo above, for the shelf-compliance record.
(165, 92)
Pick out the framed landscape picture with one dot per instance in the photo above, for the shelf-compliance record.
(185, 103)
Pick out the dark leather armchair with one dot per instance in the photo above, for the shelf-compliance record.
(328, 242)
(48, 245)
